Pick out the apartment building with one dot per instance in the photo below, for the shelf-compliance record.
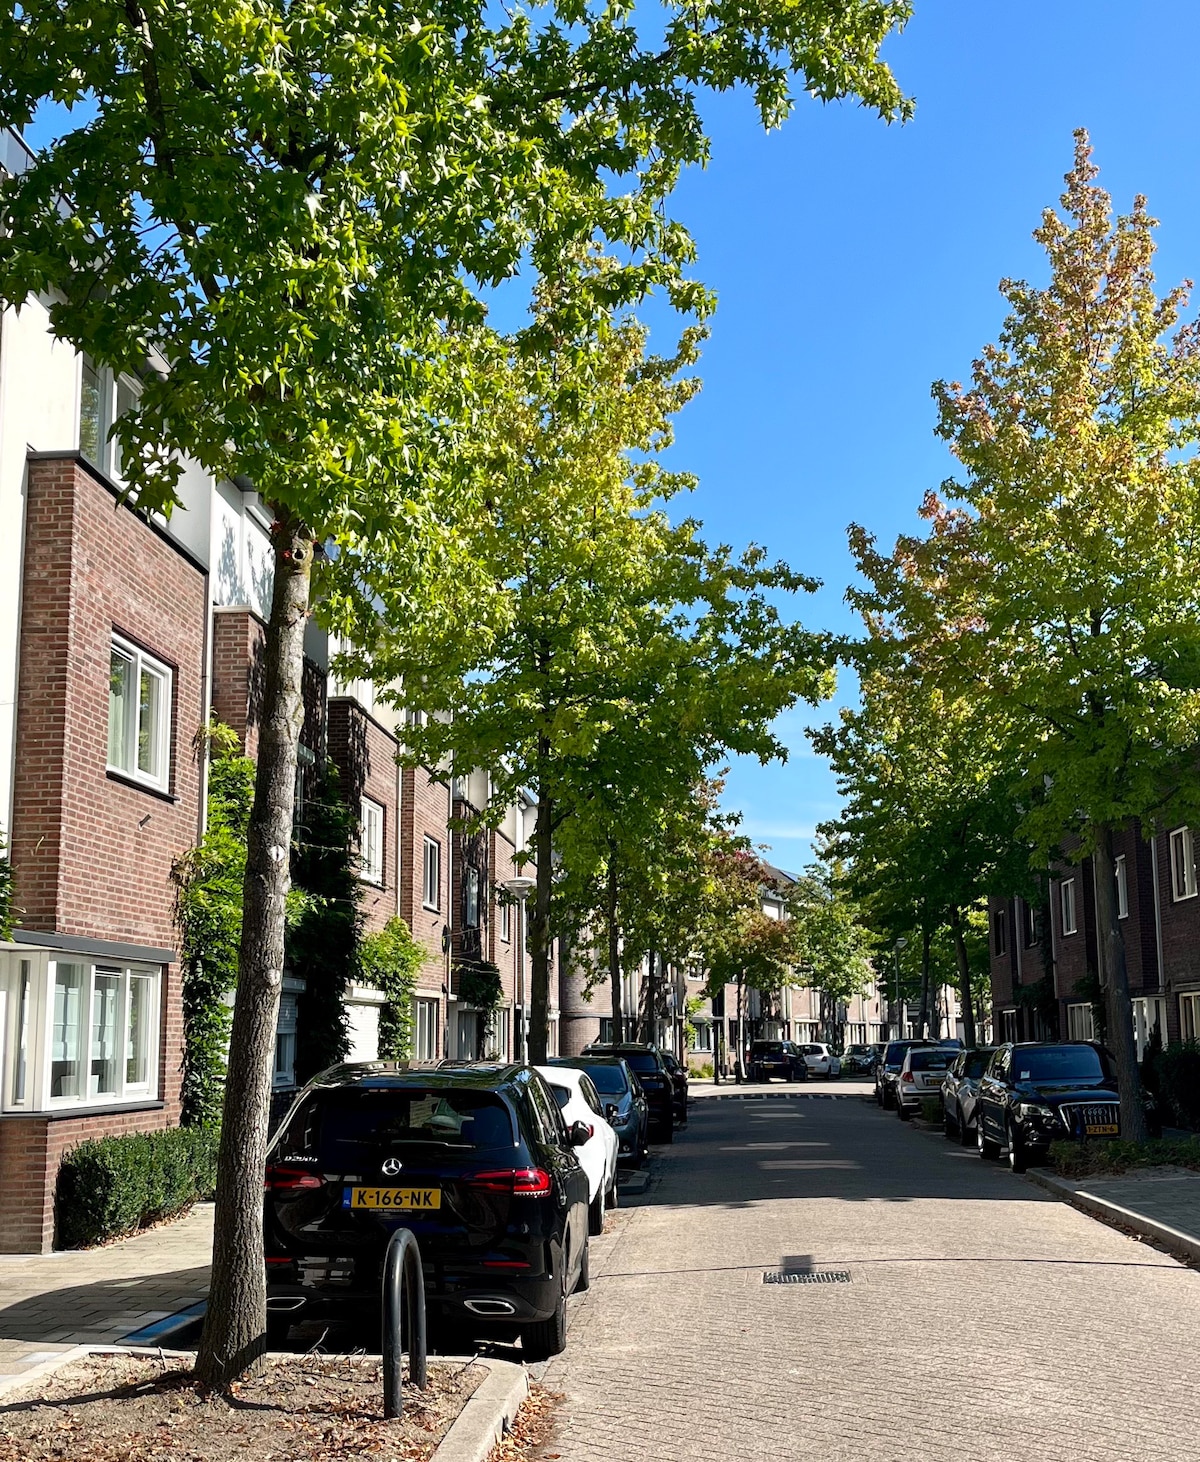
(1044, 956)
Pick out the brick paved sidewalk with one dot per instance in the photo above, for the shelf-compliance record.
(1162, 1203)
(100, 1296)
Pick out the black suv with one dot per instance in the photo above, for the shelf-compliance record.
(1033, 1094)
(651, 1070)
(624, 1102)
(477, 1162)
(887, 1070)
(777, 1058)
(679, 1084)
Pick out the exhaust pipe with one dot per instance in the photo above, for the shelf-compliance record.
(490, 1307)
(286, 1302)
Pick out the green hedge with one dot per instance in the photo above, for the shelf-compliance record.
(116, 1185)
(1085, 1159)
(1172, 1073)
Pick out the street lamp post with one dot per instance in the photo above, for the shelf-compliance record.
(520, 888)
(899, 945)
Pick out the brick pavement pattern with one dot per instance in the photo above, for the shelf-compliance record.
(983, 1320)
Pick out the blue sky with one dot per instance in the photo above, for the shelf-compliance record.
(856, 263)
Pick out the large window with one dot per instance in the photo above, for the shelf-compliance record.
(81, 1033)
(1121, 873)
(425, 1026)
(285, 1041)
(506, 922)
(1149, 1019)
(703, 1038)
(471, 898)
(431, 887)
(1189, 1016)
(1000, 932)
(371, 836)
(1066, 893)
(1183, 865)
(103, 399)
(1031, 923)
(1080, 1025)
(139, 715)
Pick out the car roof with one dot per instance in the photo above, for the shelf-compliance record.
(564, 1075)
(397, 1076)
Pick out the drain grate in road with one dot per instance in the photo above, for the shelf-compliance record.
(810, 1276)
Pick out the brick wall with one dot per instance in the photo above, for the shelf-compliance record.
(92, 567)
(365, 756)
(237, 672)
(423, 810)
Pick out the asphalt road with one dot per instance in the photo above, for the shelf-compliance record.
(981, 1319)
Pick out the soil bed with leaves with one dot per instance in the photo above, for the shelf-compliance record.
(137, 1408)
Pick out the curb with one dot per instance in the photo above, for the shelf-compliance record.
(488, 1415)
(1108, 1212)
(781, 1096)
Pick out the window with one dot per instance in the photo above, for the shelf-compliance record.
(703, 1039)
(1183, 865)
(1189, 1016)
(79, 1033)
(1000, 932)
(606, 1030)
(1149, 1016)
(139, 715)
(1122, 877)
(1080, 1025)
(498, 1036)
(91, 414)
(1009, 1025)
(425, 1030)
(306, 761)
(371, 844)
(285, 1041)
(103, 399)
(471, 898)
(506, 922)
(431, 887)
(1031, 924)
(1066, 895)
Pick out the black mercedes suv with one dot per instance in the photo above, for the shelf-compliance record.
(651, 1070)
(477, 1162)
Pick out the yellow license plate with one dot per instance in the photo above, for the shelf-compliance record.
(1102, 1129)
(409, 1199)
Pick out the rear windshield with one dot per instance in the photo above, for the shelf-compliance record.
(1057, 1063)
(895, 1052)
(931, 1060)
(607, 1077)
(342, 1127)
(767, 1048)
(645, 1061)
(977, 1064)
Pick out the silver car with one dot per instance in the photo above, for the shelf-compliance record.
(922, 1072)
(960, 1093)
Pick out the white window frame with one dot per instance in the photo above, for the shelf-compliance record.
(424, 1027)
(1081, 1023)
(1121, 874)
(1066, 905)
(143, 663)
(431, 874)
(1148, 1011)
(703, 1039)
(41, 968)
(471, 910)
(1183, 865)
(371, 842)
(109, 385)
(505, 922)
(1189, 1015)
(283, 1073)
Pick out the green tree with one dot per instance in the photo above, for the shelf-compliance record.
(284, 216)
(1057, 587)
(390, 960)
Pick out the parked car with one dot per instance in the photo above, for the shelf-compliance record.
(579, 1101)
(859, 1060)
(623, 1098)
(1033, 1094)
(477, 1162)
(921, 1075)
(887, 1070)
(679, 1085)
(960, 1092)
(777, 1058)
(821, 1060)
(651, 1070)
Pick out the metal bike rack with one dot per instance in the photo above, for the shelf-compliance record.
(403, 1298)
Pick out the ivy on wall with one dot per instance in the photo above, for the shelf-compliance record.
(7, 911)
(390, 961)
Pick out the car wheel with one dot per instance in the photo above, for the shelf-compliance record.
(584, 1282)
(879, 1096)
(545, 1338)
(987, 1148)
(612, 1196)
(596, 1215)
(949, 1129)
(668, 1132)
(1018, 1159)
(965, 1135)
(902, 1111)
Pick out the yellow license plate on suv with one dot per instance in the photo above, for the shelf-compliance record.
(1101, 1129)
(410, 1200)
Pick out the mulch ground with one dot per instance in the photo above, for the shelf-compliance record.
(319, 1408)
(533, 1430)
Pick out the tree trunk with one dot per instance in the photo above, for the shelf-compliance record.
(234, 1338)
(539, 930)
(966, 998)
(738, 1071)
(650, 1021)
(1114, 983)
(923, 1013)
(614, 950)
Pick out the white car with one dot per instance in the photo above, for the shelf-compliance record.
(821, 1061)
(579, 1101)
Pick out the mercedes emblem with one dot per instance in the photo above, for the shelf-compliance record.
(391, 1166)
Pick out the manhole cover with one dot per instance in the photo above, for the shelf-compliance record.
(812, 1276)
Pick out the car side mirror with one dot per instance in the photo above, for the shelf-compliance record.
(579, 1133)
(611, 1112)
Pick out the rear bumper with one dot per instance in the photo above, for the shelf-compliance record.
(456, 1298)
(914, 1099)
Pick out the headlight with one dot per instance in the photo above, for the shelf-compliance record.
(1036, 1112)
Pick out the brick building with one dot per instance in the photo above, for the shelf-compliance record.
(1044, 962)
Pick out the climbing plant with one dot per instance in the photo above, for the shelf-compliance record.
(390, 960)
(208, 914)
(7, 912)
(321, 946)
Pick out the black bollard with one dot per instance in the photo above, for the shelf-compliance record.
(403, 1294)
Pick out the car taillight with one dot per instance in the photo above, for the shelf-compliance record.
(286, 1179)
(906, 1076)
(521, 1182)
